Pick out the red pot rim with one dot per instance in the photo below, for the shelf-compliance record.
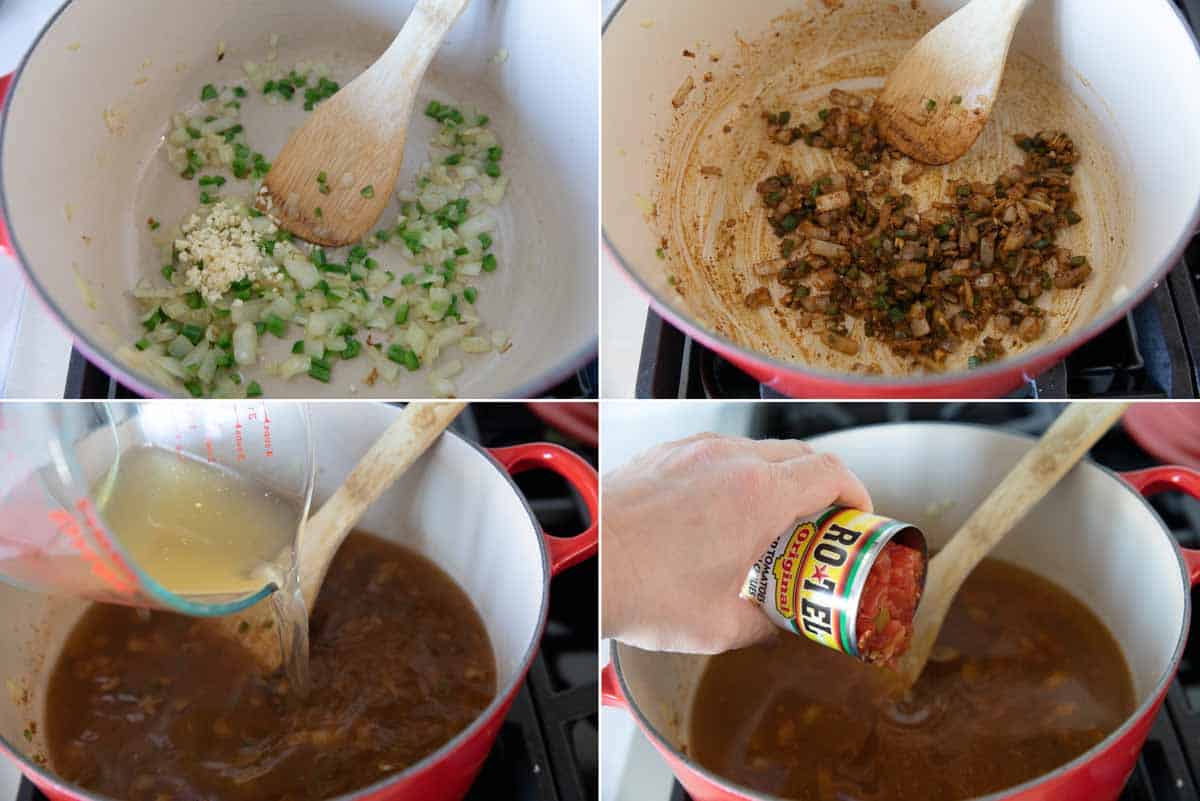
(1022, 364)
(1145, 709)
(535, 386)
(503, 699)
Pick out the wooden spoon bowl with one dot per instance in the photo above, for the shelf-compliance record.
(938, 99)
(356, 140)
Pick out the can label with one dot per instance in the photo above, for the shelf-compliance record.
(811, 578)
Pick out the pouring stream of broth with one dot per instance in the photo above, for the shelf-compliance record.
(404, 441)
(1038, 471)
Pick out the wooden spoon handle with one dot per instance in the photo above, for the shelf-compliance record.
(404, 441)
(1064, 444)
(397, 74)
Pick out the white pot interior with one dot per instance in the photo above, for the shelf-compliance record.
(1130, 115)
(78, 188)
(455, 506)
(1092, 535)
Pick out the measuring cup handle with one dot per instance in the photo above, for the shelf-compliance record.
(1154, 480)
(5, 243)
(564, 552)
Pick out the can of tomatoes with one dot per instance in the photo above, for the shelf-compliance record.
(847, 579)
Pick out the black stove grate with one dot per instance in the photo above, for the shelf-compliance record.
(1154, 352)
(548, 745)
(1169, 766)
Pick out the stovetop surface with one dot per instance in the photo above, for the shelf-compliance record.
(1153, 352)
(1169, 766)
(547, 747)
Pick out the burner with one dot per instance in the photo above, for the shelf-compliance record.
(547, 747)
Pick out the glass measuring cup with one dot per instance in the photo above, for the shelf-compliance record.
(56, 459)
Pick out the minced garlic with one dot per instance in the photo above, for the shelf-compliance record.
(220, 247)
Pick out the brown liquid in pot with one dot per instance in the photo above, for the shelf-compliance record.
(159, 706)
(1024, 679)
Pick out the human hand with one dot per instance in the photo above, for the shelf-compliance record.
(683, 523)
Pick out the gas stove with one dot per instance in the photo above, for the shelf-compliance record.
(547, 748)
(1169, 767)
(1153, 352)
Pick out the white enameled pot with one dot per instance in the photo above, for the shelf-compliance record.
(457, 505)
(1118, 76)
(82, 167)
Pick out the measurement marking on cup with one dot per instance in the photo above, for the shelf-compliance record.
(267, 449)
(66, 524)
(84, 505)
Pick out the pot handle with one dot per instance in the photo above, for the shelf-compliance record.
(1154, 480)
(610, 688)
(5, 243)
(564, 552)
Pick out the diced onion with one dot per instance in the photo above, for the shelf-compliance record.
(245, 344)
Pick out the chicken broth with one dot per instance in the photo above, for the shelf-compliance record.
(195, 528)
(152, 705)
(1024, 678)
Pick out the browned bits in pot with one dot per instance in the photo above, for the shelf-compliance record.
(758, 298)
(716, 172)
(685, 89)
(845, 99)
(971, 268)
(841, 343)
(1030, 328)
(1072, 276)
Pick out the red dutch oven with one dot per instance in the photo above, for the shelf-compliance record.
(1094, 535)
(458, 506)
(1131, 115)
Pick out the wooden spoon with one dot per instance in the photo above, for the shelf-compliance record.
(401, 444)
(356, 138)
(938, 99)
(1063, 444)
